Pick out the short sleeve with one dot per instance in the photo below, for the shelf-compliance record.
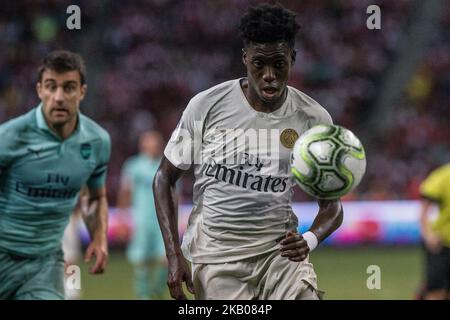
(7, 142)
(325, 118)
(322, 116)
(98, 177)
(433, 186)
(182, 150)
(315, 112)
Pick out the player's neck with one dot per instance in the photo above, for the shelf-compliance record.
(65, 130)
(256, 103)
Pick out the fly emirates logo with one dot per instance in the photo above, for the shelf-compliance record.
(252, 159)
(247, 176)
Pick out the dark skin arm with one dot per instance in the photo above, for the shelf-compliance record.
(167, 213)
(328, 219)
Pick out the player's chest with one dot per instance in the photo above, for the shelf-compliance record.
(260, 135)
(65, 163)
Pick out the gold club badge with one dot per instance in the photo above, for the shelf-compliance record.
(288, 138)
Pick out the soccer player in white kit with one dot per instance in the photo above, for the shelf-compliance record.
(242, 239)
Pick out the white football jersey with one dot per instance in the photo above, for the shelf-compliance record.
(243, 185)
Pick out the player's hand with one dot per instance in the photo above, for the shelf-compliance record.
(100, 251)
(294, 247)
(178, 273)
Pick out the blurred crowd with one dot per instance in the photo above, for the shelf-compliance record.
(146, 59)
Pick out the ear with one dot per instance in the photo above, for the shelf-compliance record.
(39, 89)
(83, 90)
(244, 56)
(293, 55)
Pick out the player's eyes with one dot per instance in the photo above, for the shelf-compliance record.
(257, 63)
(69, 88)
(50, 87)
(280, 64)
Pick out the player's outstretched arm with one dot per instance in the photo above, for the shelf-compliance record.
(328, 219)
(95, 216)
(296, 248)
(167, 212)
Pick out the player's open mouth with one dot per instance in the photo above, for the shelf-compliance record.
(269, 92)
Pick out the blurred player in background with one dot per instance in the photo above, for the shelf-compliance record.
(435, 190)
(146, 248)
(46, 156)
(242, 238)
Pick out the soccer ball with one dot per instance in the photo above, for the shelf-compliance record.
(328, 161)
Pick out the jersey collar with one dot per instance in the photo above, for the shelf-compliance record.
(41, 123)
(281, 112)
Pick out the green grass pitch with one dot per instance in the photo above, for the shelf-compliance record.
(342, 274)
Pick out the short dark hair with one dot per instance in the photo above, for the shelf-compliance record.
(63, 61)
(267, 23)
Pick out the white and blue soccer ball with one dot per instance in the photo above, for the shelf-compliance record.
(328, 161)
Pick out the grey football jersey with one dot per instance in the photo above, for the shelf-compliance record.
(243, 185)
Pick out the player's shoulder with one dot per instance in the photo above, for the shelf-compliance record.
(445, 169)
(442, 172)
(434, 184)
(209, 97)
(217, 91)
(17, 131)
(94, 130)
(306, 105)
(21, 122)
(132, 161)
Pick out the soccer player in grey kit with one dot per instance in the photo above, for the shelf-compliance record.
(242, 240)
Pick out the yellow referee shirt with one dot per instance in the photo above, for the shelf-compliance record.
(437, 187)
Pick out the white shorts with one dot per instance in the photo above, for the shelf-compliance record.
(266, 277)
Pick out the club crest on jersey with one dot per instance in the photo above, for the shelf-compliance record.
(86, 150)
(288, 138)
